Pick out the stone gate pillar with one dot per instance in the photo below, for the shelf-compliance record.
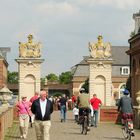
(100, 82)
(100, 71)
(29, 67)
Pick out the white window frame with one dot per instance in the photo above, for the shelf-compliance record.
(124, 69)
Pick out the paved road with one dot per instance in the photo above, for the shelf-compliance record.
(71, 131)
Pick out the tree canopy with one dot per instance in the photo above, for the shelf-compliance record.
(13, 77)
(65, 77)
(86, 86)
(52, 77)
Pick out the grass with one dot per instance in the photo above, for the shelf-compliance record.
(12, 132)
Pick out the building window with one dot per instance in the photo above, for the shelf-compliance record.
(125, 71)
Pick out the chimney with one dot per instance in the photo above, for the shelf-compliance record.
(136, 17)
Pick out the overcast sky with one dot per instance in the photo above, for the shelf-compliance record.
(64, 27)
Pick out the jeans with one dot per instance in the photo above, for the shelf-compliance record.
(63, 113)
(76, 118)
(94, 118)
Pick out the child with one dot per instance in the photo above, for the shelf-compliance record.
(76, 113)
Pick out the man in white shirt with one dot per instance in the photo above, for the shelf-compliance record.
(42, 108)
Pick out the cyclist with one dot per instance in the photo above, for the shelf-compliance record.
(83, 104)
(126, 108)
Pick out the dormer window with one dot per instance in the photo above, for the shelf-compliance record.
(125, 71)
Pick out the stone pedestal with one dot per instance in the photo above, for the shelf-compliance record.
(100, 83)
(137, 111)
(29, 76)
(137, 118)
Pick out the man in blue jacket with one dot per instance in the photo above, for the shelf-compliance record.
(42, 109)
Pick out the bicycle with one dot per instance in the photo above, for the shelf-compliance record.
(126, 130)
(84, 122)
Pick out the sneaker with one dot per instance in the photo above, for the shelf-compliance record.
(24, 136)
(88, 129)
(132, 133)
(21, 137)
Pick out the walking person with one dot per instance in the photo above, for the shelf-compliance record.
(42, 108)
(76, 113)
(95, 103)
(36, 96)
(23, 108)
(63, 107)
(74, 100)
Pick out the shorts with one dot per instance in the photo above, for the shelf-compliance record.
(127, 116)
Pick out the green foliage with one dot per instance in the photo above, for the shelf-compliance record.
(12, 77)
(52, 77)
(57, 94)
(42, 81)
(65, 77)
(86, 86)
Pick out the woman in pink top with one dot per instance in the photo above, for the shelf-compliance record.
(23, 108)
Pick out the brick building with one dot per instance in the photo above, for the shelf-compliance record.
(134, 53)
(3, 65)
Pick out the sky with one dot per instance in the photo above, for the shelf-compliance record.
(64, 27)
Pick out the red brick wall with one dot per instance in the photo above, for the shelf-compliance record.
(116, 81)
(108, 114)
(3, 72)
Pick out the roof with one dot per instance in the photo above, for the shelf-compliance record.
(118, 54)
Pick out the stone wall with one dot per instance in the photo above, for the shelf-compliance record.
(6, 120)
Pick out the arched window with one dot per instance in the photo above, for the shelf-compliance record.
(121, 88)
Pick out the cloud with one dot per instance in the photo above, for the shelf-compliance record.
(65, 27)
(56, 9)
(118, 4)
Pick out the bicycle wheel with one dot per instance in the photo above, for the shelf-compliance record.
(85, 126)
(81, 128)
(125, 132)
(129, 135)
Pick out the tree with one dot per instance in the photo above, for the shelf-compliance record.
(65, 77)
(42, 81)
(12, 77)
(52, 77)
(86, 86)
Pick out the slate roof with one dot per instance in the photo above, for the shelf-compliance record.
(118, 54)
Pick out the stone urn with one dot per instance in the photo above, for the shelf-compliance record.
(5, 95)
(138, 98)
